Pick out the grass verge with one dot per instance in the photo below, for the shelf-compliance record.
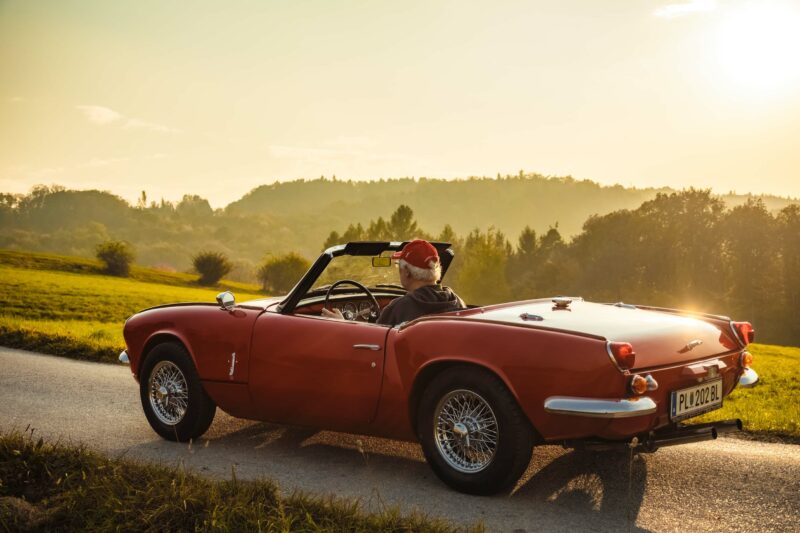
(46, 486)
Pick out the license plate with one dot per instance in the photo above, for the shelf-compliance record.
(696, 400)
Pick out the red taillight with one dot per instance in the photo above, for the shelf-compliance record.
(745, 332)
(623, 354)
(747, 359)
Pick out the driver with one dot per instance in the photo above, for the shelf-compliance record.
(420, 271)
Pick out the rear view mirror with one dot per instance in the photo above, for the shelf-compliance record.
(381, 261)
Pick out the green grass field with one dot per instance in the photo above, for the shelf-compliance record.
(65, 306)
(54, 487)
(61, 305)
(772, 407)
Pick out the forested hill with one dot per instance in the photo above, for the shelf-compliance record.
(508, 203)
(300, 215)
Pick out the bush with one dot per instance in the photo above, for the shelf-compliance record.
(117, 256)
(211, 266)
(279, 274)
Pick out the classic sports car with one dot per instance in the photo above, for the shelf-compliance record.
(478, 388)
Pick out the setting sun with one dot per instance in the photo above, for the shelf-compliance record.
(758, 46)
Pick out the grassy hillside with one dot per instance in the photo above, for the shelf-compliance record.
(82, 265)
(61, 305)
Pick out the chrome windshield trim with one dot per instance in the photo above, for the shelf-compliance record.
(600, 407)
(123, 357)
(748, 378)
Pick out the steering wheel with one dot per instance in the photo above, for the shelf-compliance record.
(376, 308)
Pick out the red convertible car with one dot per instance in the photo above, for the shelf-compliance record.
(478, 388)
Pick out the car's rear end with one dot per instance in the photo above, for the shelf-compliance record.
(675, 367)
(662, 368)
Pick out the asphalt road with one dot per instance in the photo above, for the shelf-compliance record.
(723, 485)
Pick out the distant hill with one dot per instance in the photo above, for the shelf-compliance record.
(508, 203)
(299, 215)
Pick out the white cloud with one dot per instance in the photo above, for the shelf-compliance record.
(105, 116)
(99, 114)
(671, 11)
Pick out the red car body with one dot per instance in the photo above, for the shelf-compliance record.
(258, 361)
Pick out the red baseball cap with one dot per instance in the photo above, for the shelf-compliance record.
(418, 253)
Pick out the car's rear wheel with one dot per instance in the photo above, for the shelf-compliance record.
(473, 433)
(173, 399)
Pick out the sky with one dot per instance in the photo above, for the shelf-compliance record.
(215, 98)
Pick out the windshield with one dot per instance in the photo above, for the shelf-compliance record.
(358, 268)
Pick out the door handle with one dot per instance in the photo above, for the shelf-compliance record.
(373, 347)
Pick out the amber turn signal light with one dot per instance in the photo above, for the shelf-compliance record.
(747, 359)
(638, 384)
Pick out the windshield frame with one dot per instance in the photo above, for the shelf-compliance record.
(362, 248)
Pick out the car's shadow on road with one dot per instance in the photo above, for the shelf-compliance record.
(561, 490)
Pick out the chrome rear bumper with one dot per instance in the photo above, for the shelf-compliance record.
(748, 378)
(600, 407)
(123, 357)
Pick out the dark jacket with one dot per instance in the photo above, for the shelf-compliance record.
(426, 300)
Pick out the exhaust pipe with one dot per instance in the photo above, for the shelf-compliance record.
(682, 436)
(723, 426)
(655, 440)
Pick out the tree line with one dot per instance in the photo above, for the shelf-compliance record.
(683, 249)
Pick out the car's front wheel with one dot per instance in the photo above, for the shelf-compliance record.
(174, 402)
(473, 433)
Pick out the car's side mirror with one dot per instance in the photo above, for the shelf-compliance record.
(226, 300)
(382, 261)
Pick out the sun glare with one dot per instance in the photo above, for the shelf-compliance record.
(759, 47)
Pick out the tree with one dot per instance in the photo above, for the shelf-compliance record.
(482, 276)
(789, 227)
(753, 266)
(117, 256)
(402, 225)
(279, 274)
(211, 266)
(194, 207)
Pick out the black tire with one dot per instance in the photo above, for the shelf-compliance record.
(200, 408)
(515, 435)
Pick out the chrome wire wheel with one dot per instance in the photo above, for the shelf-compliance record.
(168, 392)
(465, 430)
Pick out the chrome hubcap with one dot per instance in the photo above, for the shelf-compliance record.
(168, 392)
(465, 431)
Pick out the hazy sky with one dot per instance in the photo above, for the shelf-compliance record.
(215, 98)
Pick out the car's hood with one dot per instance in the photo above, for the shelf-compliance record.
(261, 303)
(658, 338)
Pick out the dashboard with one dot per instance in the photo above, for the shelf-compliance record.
(353, 307)
(354, 310)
